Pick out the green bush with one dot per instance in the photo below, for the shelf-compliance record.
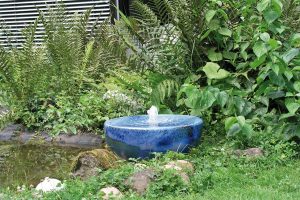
(56, 85)
(238, 62)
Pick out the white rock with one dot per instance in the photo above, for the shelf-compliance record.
(2, 196)
(172, 166)
(111, 192)
(180, 165)
(50, 184)
(140, 166)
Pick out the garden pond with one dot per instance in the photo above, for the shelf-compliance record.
(27, 164)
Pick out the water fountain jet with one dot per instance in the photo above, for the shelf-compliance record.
(152, 114)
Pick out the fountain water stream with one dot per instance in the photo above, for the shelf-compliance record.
(152, 113)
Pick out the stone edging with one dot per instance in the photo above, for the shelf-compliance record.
(17, 133)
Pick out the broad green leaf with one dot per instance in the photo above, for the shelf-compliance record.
(289, 94)
(276, 94)
(285, 116)
(288, 74)
(273, 43)
(275, 69)
(229, 55)
(262, 5)
(206, 101)
(277, 79)
(297, 68)
(241, 120)
(192, 78)
(271, 15)
(244, 55)
(210, 15)
(297, 86)
(292, 130)
(290, 55)
(165, 111)
(261, 111)
(260, 49)
(205, 35)
(239, 104)
(229, 122)
(247, 130)
(214, 24)
(213, 71)
(295, 41)
(192, 100)
(243, 107)
(224, 14)
(258, 61)
(264, 100)
(225, 31)
(277, 5)
(222, 98)
(234, 130)
(187, 89)
(292, 107)
(244, 46)
(279, 29)
(199, 100)
(214, 56)
(73, 130)
(265, 37)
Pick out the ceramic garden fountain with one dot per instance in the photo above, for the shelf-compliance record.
(139, 136)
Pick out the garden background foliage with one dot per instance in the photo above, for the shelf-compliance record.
(231, 62)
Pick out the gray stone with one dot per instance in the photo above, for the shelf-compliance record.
(110, 193)
(16, 132)
(180, 165)
(185, 177)
(251, 152)
(140, 181)
(2, 196)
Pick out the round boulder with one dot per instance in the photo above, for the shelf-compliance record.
(110, 193)
(180, 165)
(50, 185)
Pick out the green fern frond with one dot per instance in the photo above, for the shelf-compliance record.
(126, 80)
(163, 91)
(163, 9)
(142, 12)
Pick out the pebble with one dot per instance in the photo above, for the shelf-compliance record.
(180, 165)
(49, 185)
(140, 181)
(111, 192)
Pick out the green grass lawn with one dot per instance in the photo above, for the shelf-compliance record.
(278, 182)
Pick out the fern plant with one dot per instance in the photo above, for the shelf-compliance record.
(163, 41)
(70, 62)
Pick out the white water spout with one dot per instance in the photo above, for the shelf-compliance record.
(152, 113)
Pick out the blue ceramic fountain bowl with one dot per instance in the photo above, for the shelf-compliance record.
(134, 137)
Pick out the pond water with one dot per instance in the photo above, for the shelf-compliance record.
(28, 164)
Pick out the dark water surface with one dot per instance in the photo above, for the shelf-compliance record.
(28, 164)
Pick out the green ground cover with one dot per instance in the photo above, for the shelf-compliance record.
(219, 174)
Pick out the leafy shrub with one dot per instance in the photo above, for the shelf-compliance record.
(55, 85)
(238, 61)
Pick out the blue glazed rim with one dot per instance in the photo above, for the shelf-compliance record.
(195, 121)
